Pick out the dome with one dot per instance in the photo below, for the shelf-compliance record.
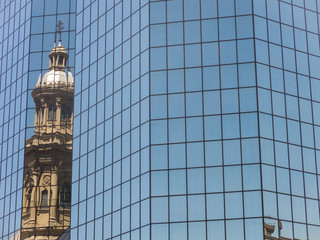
(55, 77)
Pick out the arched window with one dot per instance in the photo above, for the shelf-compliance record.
(65, 195)
(44, 198)
(52, 112)
(65, 112)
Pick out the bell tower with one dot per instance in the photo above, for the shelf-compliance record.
(58, 58)
(48, 153)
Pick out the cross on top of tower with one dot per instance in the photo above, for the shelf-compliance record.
(60, 28)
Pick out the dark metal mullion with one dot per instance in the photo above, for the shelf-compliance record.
(8, 157)
(273, 141)
(203, 128)
(139, 79)
(294, 42)
(286, 113)
(130, 130)
(87, 130)
(150, 132)
(66, 125)
(239, 120)
(15, 78)
(316, 164)
(221, 120)
(168, 122)
(312, 115)
(112, 141)
(95, 105)
(78, 181)
(300, 131)
(103, 122)
(120, 114)
(185, 121)
(258, 115)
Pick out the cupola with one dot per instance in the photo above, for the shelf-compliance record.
(58, 57)
(57, 64)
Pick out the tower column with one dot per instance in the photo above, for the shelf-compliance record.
(45, 115)
(36, 118)
(35, 176)
(54, 196)
(58, 116)
(24, 202)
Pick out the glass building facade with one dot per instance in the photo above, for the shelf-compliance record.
(193, 119)
(197, 120)
(27, 34)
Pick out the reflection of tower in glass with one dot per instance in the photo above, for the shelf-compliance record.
(48, 154)
(271, 228)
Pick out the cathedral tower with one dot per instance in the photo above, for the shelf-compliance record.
(48, 154)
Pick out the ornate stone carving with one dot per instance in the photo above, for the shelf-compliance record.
(29, 184)
(46, 180)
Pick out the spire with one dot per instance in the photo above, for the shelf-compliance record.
(58, 55)
(60, 28)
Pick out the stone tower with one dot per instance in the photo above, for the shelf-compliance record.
(48, 154)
